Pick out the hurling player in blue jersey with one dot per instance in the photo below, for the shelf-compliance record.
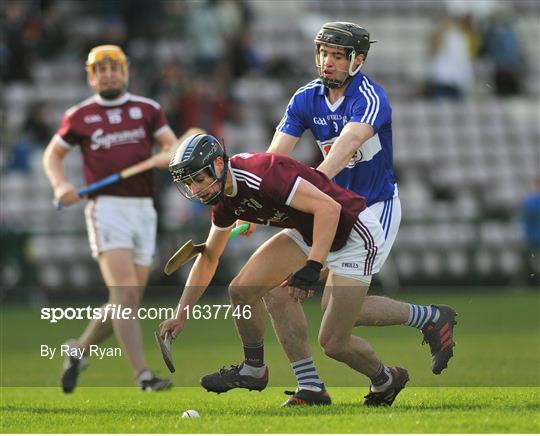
(351, 119)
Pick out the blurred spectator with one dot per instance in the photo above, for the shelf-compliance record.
(207, 102)
(173, 21)
(35, 134)
(206, 35)
(469, 26)
(36, 127)
(15, 59)
(530, 216)
(450, 72)
(244, 57)
(502, 46)
(168, 87)
(51, 38)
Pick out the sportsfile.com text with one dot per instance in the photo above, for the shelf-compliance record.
(117, 311)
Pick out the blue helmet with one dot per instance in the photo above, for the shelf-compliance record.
(193, 156)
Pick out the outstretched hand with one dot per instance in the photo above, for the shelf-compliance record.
(172, 325)
(302, 283)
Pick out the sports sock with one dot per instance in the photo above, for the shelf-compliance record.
(306, 375)
(145, 375)
(254, 354)
(419, 316)
(253, 371)
(381, 380)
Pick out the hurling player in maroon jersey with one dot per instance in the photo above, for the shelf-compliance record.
(323, 223)
(113, 130)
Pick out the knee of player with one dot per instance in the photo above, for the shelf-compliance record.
(239, 294)
(332, 346)
(126, 296)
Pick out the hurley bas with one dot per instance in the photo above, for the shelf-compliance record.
(93, 351)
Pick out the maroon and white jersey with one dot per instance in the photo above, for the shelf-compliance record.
(113, 135)
(264, 185)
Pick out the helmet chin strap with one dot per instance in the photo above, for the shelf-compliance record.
(351, 63)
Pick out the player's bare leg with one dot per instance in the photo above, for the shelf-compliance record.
(98, 330)
(289, 322)
(120, 276)
(261, 270)
(376, 310)
(335, 337)
(255, 279)
(123, 279)
(436, 323)
(126, 283)
(95, 332)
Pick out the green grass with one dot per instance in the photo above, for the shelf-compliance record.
(492, 384)
(121, 410)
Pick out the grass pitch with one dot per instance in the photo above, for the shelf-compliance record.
(491, 386)
(126, 410)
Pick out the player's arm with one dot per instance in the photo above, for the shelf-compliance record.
(53, 158)
(326, 213)
(199, 278)
(352, 137)
(166, 141)
(282, 143)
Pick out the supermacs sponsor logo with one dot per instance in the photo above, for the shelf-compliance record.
(99, 140)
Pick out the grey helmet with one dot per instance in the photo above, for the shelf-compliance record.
(193, 156)
(349, 36)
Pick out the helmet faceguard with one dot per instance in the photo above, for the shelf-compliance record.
(348, 36)
(196, 156)
(107, 53)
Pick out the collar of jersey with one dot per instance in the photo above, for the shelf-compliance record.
(354, 84)
(116, 102)
(234, 185)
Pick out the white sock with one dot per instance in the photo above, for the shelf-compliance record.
(381, 388)
(253, 371)
(145, 375)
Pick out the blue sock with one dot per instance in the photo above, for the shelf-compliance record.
(419, 316)
(306, 375)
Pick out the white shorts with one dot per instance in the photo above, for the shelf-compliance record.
(122, 222)
(389, 214)
(361, 256)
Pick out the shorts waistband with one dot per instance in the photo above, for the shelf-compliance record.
(125, 201)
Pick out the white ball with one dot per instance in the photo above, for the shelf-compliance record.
(191, 414)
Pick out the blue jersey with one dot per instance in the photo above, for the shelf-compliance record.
(370, 172)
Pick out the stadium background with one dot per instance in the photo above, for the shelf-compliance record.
(465, 159)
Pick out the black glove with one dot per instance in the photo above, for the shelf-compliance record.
(306, 277)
